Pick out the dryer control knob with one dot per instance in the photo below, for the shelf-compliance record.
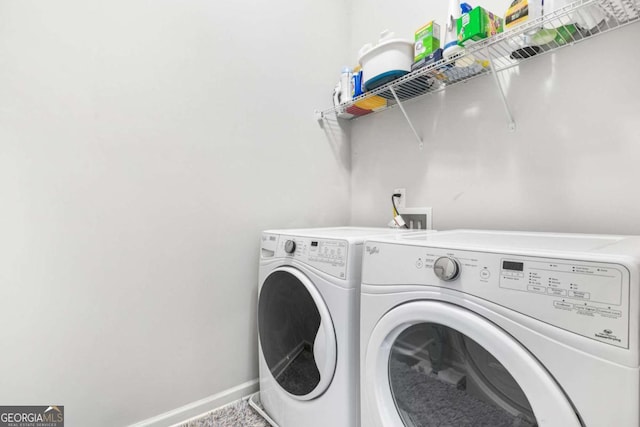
(446, 268)
(290, 246)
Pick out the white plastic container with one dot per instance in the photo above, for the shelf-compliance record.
(389, 59)
(550, 9)
(590, 17)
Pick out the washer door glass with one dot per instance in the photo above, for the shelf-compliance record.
(296, 333)
(432, 363)
(439, 376)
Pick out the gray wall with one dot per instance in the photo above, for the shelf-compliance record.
(572, 165)
(143, 146)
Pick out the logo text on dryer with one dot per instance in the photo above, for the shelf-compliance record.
(608, 335)
(372, 250)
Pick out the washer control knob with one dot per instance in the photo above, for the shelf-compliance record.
(290, 246)
(446, 268)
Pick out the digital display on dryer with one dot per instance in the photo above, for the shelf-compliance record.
(512, 265)
(314, 243)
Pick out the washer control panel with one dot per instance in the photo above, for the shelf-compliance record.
(327, 255)
(583, 282)
(585, 297)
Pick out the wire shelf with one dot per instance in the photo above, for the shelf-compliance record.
(501, 52)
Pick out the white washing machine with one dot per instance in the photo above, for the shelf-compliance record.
(308, 319)
(478, 328)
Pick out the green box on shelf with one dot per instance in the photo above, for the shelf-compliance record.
(478, 24)
(427, 40)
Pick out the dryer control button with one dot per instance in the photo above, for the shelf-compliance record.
(446, 268)
(290, 246)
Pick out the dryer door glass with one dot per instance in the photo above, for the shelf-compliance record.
(288, 323)
(439, 376)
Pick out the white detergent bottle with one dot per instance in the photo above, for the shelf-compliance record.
(345, 85)
(451, 46)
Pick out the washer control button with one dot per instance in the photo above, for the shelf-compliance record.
(419, 263)
(484, 273)
(446, 268)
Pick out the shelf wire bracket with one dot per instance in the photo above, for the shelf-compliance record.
(420, 141)
(511, 125)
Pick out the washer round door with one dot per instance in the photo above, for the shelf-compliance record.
(296, 334)
(431, 363)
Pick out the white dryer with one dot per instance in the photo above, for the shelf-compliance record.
(478, 328)
(308, 319)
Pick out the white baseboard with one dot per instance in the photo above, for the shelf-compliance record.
(200, 407)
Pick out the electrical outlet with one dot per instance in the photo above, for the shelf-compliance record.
(401, 201)
(417, 218)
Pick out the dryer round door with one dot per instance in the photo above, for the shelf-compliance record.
(296, 334)
(433, 363)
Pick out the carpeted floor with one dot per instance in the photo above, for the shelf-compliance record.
(237, 414)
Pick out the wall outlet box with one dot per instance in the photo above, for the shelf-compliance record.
(427, 40)
(417, 218)
(401, 201)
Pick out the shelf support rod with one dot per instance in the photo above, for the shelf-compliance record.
(511, 122)
(420, 142)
